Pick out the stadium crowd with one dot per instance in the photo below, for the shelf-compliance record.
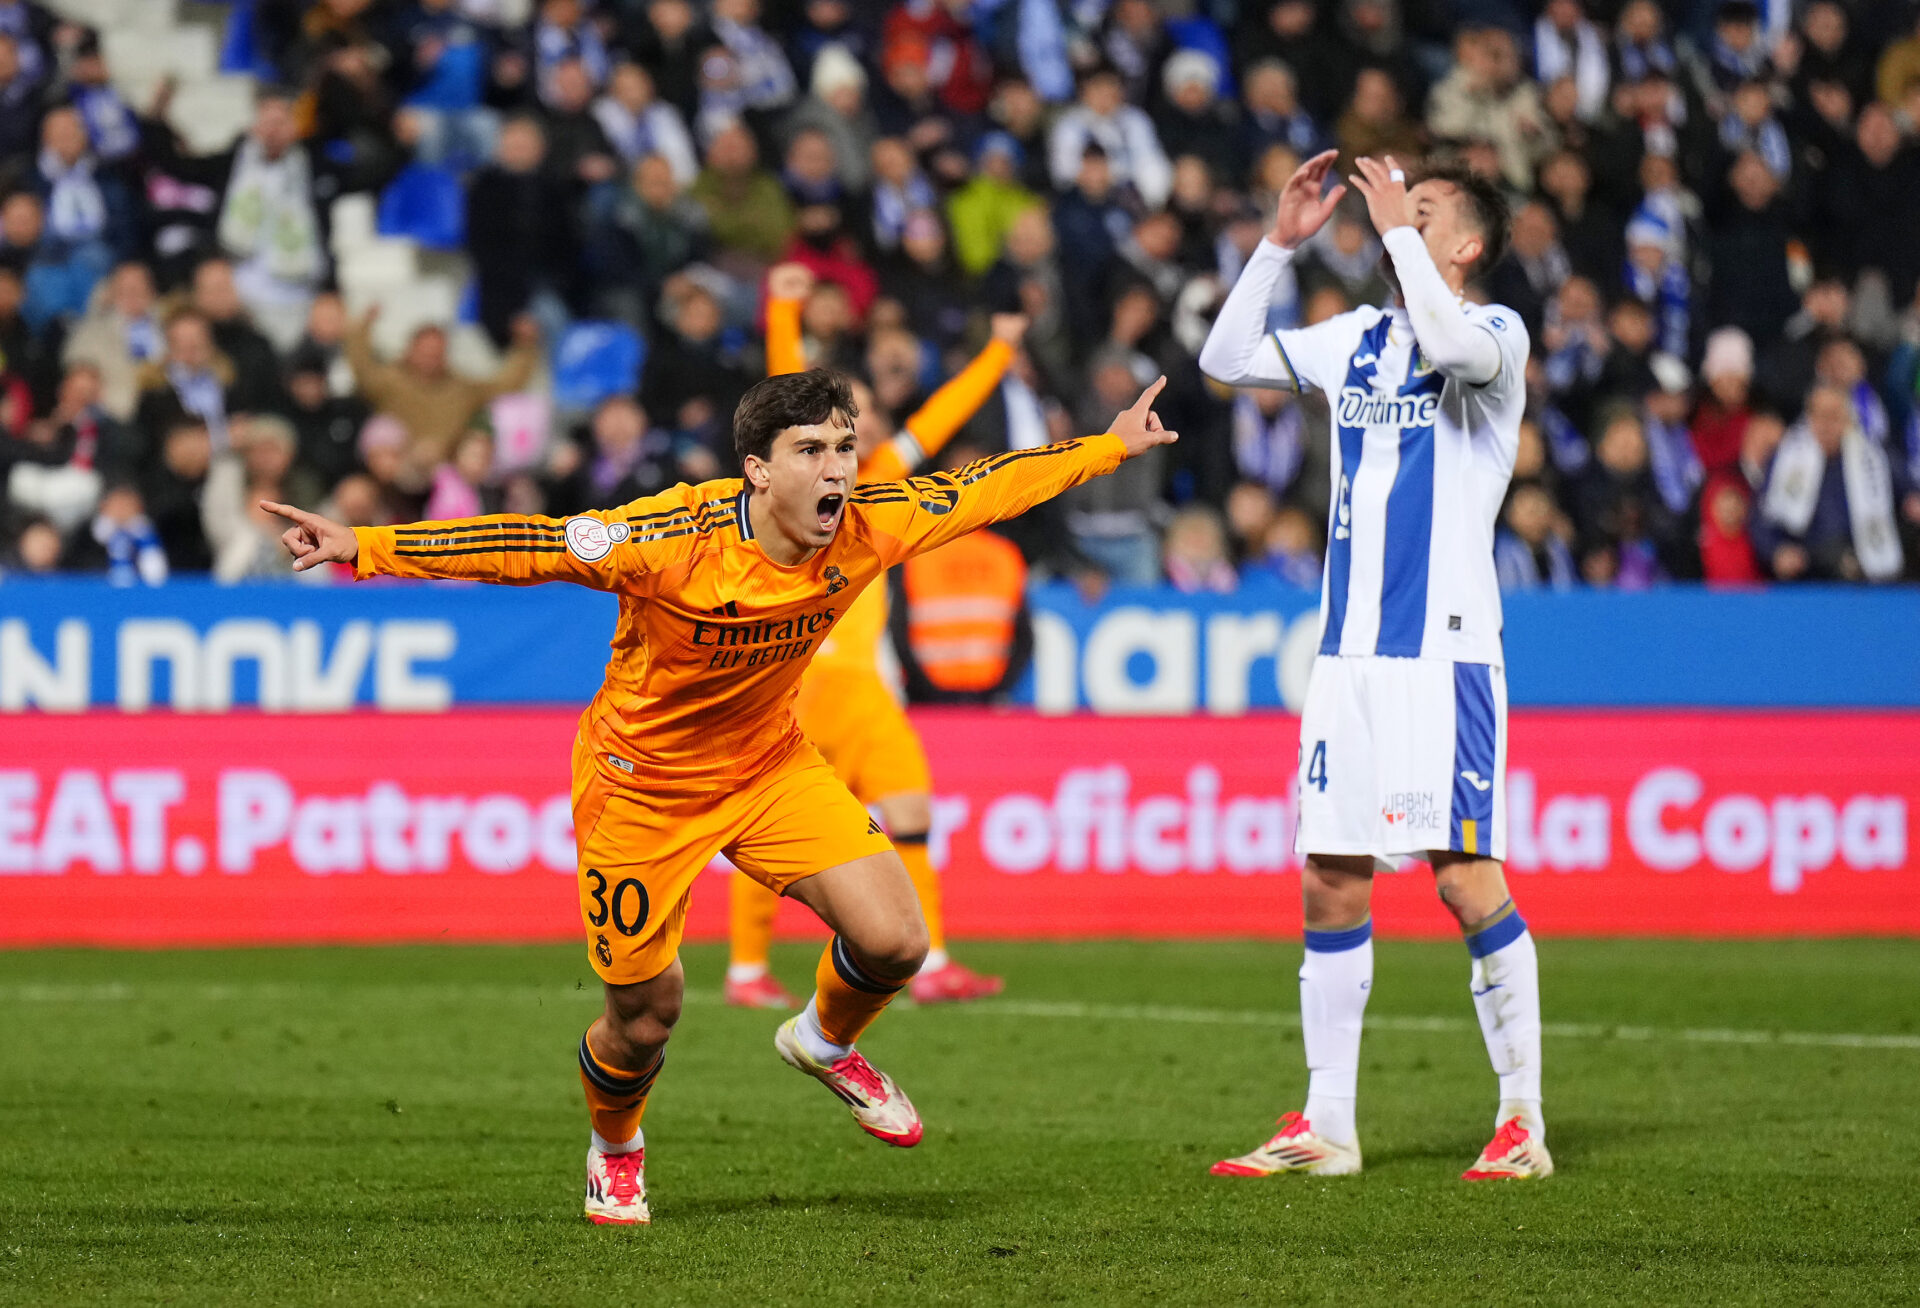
(1714, 248)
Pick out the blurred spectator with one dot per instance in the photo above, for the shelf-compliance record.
(326, 426)
(1626, 533)
(1375, 122)
(119, 335)
(638, 235)
(747, 208)
(1827, 506)
(1528, 551)
(120, 542)
(838, 108)
(637, 123)
(1566, 44)
(521, 234)
(1273, 114)
(1749, 252)
(1721, 420)
(266, 218)
(36, 550)
(462, 486)
(984, 210)
(244, 538)
(1194, 121)
(1269, 438)
(1112, 519)
(1101, 116)
(899, 188)
(445, 67)
(434, 403)
(256, 368)
(1289, 548)
(1196, 553)
(620, 460)
(1726, 553)
(172, 487)
(192, 380)
(1487, 98)
(1089, 223)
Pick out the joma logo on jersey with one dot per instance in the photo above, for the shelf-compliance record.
(1360, 408)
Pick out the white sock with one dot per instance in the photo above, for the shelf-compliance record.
(746, 971)
(1336, 977)
(1506, 995)
(814, 1040)
(607, 1146)
(936, 959)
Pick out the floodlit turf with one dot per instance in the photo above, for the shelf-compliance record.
(404, 1125)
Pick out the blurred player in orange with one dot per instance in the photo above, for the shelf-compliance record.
(690, 748)
(847, 708)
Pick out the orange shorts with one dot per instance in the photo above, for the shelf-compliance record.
(863, 733)
(642, 845)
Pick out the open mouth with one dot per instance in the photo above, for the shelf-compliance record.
(828, 510)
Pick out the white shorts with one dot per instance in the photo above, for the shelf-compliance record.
(1401, 756)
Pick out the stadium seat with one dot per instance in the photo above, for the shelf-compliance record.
(427, 205)
(594, 360)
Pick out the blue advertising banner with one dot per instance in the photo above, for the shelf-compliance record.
(74, 644)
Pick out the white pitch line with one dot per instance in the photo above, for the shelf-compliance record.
(1387, 1022)
(1061, 1010)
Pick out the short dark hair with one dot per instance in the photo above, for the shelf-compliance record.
(1487, 208)
(795, 399)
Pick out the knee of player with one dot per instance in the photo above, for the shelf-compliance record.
(641, 1022)
(897, 950)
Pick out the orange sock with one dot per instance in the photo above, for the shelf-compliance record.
(753, 908)
(847, 997)
(615, 1098)
(926, 884)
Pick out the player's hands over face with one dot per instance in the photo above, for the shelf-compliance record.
(312, 539)
(789, 281)
(1009, 327)
(1140, 426)
(1303, 210)
(1387, 202)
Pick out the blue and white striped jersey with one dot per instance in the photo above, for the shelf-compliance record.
(1421, 463)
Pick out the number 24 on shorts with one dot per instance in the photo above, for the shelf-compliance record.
(1317, 766)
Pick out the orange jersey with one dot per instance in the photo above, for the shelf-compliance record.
(713, 635)
(855, 643)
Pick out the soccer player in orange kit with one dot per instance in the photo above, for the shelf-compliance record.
(846, 707)
(690, 747)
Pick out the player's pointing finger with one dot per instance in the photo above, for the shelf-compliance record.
(287, 511)
(1147, 396)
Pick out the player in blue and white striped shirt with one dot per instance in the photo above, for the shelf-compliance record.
(1403, 738)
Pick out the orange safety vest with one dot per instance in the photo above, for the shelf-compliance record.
(962, 601)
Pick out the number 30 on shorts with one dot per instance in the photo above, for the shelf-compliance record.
(628, 906)
(1317, 766)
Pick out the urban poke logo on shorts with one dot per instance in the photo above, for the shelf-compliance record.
(1414, 810)
(589, 539)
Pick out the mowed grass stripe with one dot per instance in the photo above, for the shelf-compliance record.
(119, 992)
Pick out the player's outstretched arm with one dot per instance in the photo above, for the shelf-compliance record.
(947, 410)
(1238, 350)
(924, 513)
(506, 548)
(1451, 341)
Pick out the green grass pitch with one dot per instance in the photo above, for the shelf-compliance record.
(404, 1125)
